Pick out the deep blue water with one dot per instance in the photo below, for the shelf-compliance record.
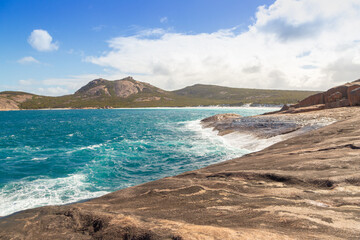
(63, 156)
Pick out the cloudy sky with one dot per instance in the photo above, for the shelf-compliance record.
(55, 47)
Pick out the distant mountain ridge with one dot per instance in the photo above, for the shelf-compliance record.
(128, 92)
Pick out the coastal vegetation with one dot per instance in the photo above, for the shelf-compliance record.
(129, 93)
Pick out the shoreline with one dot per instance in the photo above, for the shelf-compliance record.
(229, 149)
(198, 107)
(296, 186)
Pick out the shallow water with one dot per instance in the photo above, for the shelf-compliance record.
(63, 156)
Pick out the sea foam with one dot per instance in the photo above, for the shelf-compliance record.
(20, 195)
(243, 142)
(75, 155)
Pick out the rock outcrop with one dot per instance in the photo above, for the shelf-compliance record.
(354, 95)
(123, 88)
(220, 117)
(221, 122)
(12, 100)
(267, 125)
(340, 96)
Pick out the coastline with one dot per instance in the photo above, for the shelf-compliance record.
(188, 107)
(190, 147)
(306, 185)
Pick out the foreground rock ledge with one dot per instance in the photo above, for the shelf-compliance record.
(307, 187)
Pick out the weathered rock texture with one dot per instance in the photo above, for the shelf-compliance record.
(340, 96)
(12, 100)
(265, 126)
(220, 117)
(307, 187)
(123, 88)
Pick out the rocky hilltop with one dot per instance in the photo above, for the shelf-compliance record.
(123, 88)
(128, 92)
(304, 187)
(12, 100)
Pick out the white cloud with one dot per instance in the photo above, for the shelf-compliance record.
(163, 20)
(153, 32)
(52, 91)
(27, 60)
(291, 44)
(26, 82)
(42, 41)
(71, 82)
(57, 86)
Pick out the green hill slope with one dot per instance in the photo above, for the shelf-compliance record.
(127, 92)
(243, 95)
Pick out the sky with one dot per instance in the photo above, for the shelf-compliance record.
(53, 47)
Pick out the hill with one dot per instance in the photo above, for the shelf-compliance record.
(12, 100)
(127, 92)
(123, 88)
(239, 96)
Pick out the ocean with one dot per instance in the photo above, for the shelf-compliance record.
(51, 157)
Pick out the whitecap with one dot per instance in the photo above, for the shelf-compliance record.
(249, 142)
(245, 143)
(207, 140)
(92, 147)
(25, 194)
(39, 158)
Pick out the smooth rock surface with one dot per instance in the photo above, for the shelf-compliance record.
(307, 187)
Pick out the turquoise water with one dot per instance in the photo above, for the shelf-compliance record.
(63, 156)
